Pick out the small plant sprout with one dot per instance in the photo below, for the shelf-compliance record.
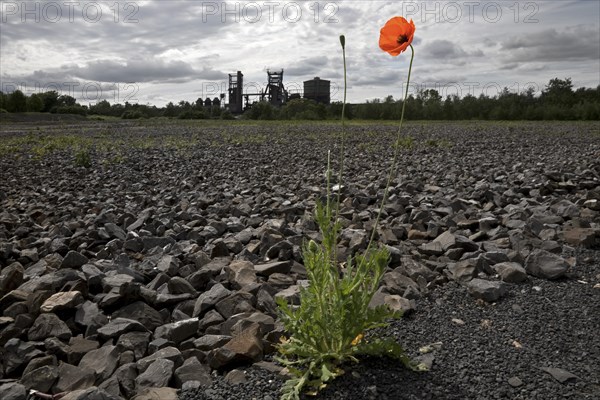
(329, 327)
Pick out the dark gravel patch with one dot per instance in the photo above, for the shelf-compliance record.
(539, 324)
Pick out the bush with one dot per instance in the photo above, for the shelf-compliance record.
(262, 110)
(77, 109)
(192, 114)
(299, 109)
(226, 114)
(17, 102)
(83, 158)
(133, 114)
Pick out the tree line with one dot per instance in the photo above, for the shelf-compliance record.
(558, 101)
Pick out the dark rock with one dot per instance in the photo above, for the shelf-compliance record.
(16, 357)
(114, 231)
(49, 325)
(584, 237)
(159, 344)
(157, 374)
(87, 313)
(72, 378)
(489, 291)
(431, 249)
(73, 260)
(209, 299)
(102, 361)
(244, 348)
(511, 272)
(178, 285)
(546, 265)
(210, 342)
(413, 268)
(151, 242)
(157, 393)
(40, 379)
(560, 374)
(290, 295)
(179, 331)
(62, 301)
(119, 326)
(12, 391)
(11, 278)
(168, 353)
(78, 347)
(134, 341)
(393, 301)
(192, 370)
(168, 265)
(241, 273)
(282, 267)
(515, 381)
(93, 393)
(126, 375)
(235, 377)
(211, 318)
(236, 303)
(141, 312)
(464, 270)
(396, 283)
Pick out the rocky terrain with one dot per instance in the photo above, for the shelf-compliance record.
(142, 260)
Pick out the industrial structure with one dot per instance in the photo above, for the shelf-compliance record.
(318, 89)
(275, 93)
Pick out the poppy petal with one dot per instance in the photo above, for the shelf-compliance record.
(396, 28)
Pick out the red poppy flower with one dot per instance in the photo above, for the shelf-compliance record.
(396, 35)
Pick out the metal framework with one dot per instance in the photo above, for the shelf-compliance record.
(274, 93)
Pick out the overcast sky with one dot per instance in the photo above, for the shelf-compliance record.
(160, 51)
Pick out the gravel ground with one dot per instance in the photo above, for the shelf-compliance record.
(536, 181)
(496, 352)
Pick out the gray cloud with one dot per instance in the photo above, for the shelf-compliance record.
(308, 66)
(143, 71)
(576, 43)
(111, 71)
(175, 47)
(445, 50)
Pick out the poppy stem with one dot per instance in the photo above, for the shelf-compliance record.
(342, 139)
(343, 134)
(394, 166)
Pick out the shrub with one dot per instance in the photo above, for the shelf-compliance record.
(83, 158)
(192, 114)
(133, 114)
(76, 109)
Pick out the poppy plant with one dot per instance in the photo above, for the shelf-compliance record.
(328, 328)
(396, 35)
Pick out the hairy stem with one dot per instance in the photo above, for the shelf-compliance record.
(394, 166)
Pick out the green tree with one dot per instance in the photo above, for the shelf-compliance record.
(261, 110)
(170, 110)
(432, 103)
(559, 92)
(35, 103)
(50, 99)
(17, 102)
(101, 108)
(66, 100)
(3, 100)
